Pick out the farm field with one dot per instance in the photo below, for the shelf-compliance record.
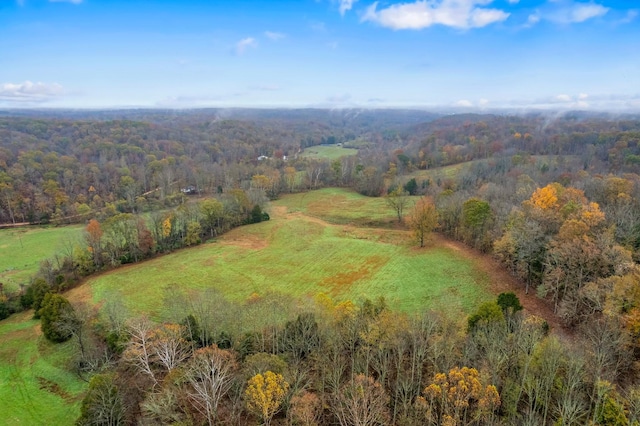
(328, 152)
(453, 171)
(22, 250)
(35, 385)
(317, 242)
(341, 207)
(310, 246)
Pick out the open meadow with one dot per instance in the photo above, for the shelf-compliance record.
(314, 243)
(330, 241)
(36, 386)
(328, 152)
(23, 249)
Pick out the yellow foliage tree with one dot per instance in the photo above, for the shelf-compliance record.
(166, 227)
(458, 397)
(264, 395)
(290, 174)
(545, 198)
(423, 219)
(592, 215)
(260, 182)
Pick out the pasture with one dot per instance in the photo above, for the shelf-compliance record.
(36, 386)
(330, 241)
(328, 152)
(315, 243)
(23, 249)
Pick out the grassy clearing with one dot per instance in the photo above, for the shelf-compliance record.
(340, 207)
(357, 144)
(300, 255)
(22, 250)
(314, 243)
(455, 170)
(328, 152)
(445, 172)
(35, 385)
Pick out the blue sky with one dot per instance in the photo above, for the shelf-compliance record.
(467, 54)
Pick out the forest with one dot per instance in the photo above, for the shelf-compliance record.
(554, 198)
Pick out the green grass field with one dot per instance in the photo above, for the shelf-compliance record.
(454, 170)
(298, 254)
(328, 152)
(342, 207)
(317, 242)
(22, 250)
(36, 387)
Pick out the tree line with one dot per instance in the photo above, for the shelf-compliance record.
(269, 360)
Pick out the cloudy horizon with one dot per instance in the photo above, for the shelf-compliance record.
(456, 54)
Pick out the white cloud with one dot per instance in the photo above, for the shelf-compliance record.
(533, 19)
(562, 101)
(245, 44)
(66, 1)
(629, 17)
(272, 35)
(30, 92)
(571, 12)
(464, 103)
(483, 102)
(582, 12)
(422, 14)
(346, 5)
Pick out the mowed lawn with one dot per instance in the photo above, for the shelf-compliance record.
(299, 254)
(36, 387)
(23, 249)
(328, 152)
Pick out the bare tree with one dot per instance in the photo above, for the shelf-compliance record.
(139, 352)
(361, 402)
(398, 200)
(211, 373)
(169, 346)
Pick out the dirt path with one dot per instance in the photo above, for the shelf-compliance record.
(502, 281)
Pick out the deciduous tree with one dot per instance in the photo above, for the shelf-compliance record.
(265, 394)
(102, 404)
(458, 398)
(361, 402)
(210, 375)
(423, 219)
(398, 199)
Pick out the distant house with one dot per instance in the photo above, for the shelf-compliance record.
(263, 157)
(189, 190)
